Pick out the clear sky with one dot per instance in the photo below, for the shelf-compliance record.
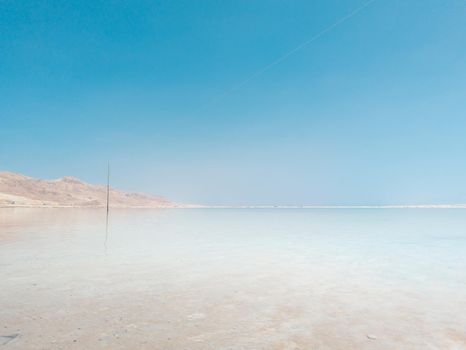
(372, 112)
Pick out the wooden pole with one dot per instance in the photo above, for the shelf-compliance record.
(108, 205)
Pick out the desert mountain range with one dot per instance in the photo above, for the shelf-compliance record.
(17, 190)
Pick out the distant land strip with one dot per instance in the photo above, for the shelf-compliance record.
(408, 206)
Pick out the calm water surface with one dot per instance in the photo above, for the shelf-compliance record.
(233, 279)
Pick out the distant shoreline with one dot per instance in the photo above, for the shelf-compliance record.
(433, 206)
(421, 206)
(21, 191)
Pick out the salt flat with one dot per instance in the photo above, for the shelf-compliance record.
(233, 279)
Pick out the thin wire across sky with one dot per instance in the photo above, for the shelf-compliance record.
(288, 54)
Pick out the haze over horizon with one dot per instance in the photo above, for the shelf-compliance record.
(370, 113)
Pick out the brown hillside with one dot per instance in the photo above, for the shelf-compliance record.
(21, 190)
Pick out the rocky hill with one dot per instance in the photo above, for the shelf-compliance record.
(18, 190)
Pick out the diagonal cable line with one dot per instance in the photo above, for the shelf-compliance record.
(289, 53)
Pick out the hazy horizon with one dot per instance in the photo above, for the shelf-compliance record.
(370, 113)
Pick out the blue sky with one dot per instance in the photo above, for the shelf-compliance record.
(373, 112)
